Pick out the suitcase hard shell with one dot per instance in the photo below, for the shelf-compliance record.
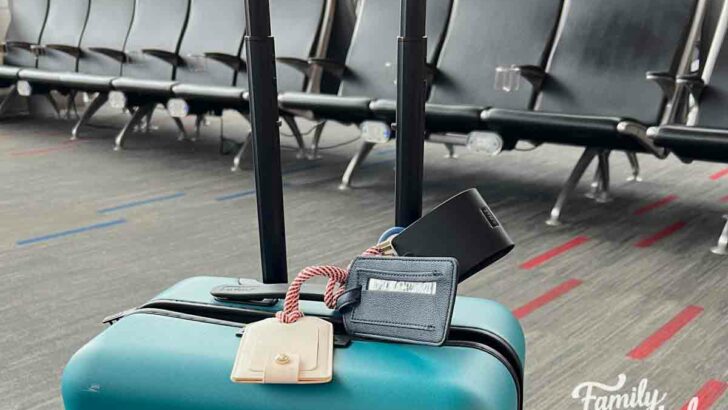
(177, 352)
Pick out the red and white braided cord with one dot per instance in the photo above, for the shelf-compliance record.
(334, 288)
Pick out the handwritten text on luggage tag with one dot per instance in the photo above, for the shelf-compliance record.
(423, 288)
(272, 352)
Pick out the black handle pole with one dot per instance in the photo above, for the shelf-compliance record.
(411, 90)
(266, 140)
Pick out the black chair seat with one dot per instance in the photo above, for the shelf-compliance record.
(146, 87)
(9, 73)
(32, 75)
(579, 130)
(707, 144)
(88, 82)
(209, 93)
(343, 109)
(439, 117)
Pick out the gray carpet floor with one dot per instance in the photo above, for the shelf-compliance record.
(166, 213)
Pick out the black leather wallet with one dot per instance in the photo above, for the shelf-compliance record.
(407, 300)
(464, 228)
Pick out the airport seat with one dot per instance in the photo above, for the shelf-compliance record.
(27, 19)
(601, 91)
(370, 69)
(301, 30)
(482, 35)
(703, 137)
(58, 50)
(148, 59)
(102, 54)
(593, 75)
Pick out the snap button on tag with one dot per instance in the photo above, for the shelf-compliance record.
(282, 359)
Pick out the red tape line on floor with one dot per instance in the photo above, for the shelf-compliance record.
(653, 239)
(552, 253)
(42, 151)
(707, 395)
(665, 333)
(546, 298)
(720, 174)
(655, 205)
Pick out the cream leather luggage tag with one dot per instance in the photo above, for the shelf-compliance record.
(272, 352)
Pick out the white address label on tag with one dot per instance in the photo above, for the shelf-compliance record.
(422, 288)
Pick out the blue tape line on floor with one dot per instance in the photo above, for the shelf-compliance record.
(70, 232)
(243, 194)
(235, 195)
(299, 168)
(141, 203)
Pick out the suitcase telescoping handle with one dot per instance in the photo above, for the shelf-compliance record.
(411, 90)
(266, 140)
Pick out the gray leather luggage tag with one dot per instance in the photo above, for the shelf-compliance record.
(397, 299)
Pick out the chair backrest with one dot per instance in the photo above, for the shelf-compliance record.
(714, 98)
(712, 18)
(108, 26)
(27, 19)
(158, 24)
(64, 25)
(214, 26)
(342, 29)
(485, 34)
(372, 59)
(296, 25)
(603, 50)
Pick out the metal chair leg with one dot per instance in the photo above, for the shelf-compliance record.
(722, 248)
(181, 128)
(148, 122)
(314, 152)
(355, 163)
(603, 196)
(600, 186)
(54, 104)
(71, 105)
(291, 122)
(595, 184)
(450, 151)
(581, 166)
(9, 99)
(634, 162)
(200, 120)
(92, 109)
(141, 113)
(241, 153)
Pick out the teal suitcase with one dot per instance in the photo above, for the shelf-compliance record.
(177, 351)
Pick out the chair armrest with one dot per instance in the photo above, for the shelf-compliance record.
(164, 55)
(37, 49)
(533, 74)
(234, 62)
(508, 78)
(299, 64)
(118, 55)
(666, 81)
(16, 44)
(330, 66)
(693, 83)
(431, 72)
(70, 50)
